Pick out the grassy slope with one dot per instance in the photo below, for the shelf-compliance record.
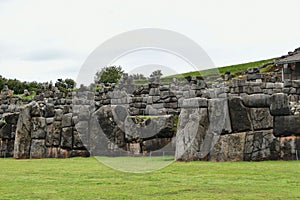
(86, 178)
(221, 70)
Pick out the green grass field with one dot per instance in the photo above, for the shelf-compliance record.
(86, 178)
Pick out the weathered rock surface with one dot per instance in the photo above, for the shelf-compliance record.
(261, 146)
(257, 100)
(289, 148)
(67, 138)
(107, 132)
(53, 127)
(261, 118)
(57, 152)
(67, 120)
(6, 148)
(239, 115)
(287, 125)
(229, 148)
(219, 122)
(49, 110)
(279, 104)
(53, 134)
(38, 128)
(37, 149)
(191, 131)
(199, 129)
(141, 129)
(5, 131)
(23, 132)
(195, 103)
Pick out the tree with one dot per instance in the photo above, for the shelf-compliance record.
(156, 73)
(110, 74)
(70, 83)
(64, 85)
(138, 76)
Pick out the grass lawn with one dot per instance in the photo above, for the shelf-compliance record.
(87, 178)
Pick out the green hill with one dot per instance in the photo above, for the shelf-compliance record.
(216, 72)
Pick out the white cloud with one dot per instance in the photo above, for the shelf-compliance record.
(36, 35)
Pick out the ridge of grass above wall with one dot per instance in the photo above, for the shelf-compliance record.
(234, 69)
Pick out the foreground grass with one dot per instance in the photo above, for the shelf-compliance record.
(86, 178)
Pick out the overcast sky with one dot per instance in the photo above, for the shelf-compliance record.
(46, 40)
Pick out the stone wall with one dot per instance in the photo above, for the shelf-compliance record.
(236, 120)
(262, 128)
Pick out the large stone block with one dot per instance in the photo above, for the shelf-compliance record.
(67, 120)
(37, 149)
(38, 128)
(49, 110)
(219, 122)
(155, 144)
(82, 131)
(58, 114)
(257, 100)
(140, 129)
(11, 118)
(219, 118)
(154, 92)
(289, 148)
(199, 130)
(108, 125)
(77, 143)
(287, 125)
(84, 112)
(279, 104)
(151, 111)
(195, 103)
(239, 115)
(53, 134)
(57, 152)
(6, 148)
(251, 77)
(229, 148)
(191, 130)
(23, 132)
(261, 118)
(261, 146)
(6, 131)
(67, 138)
